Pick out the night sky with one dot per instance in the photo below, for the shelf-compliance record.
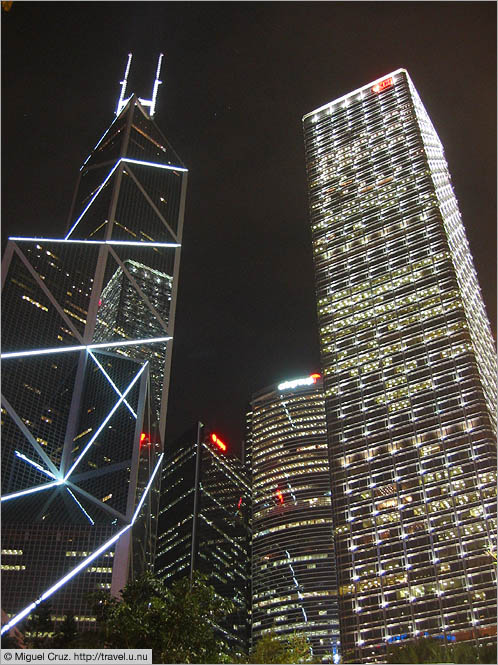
(237, 79)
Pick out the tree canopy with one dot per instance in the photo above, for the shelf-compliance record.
(271, 648)
(177, 623)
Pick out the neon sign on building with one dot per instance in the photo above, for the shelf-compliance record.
(295, 383)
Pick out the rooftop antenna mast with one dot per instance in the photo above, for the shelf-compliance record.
(151, 103)
(122, 102)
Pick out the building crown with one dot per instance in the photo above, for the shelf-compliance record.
(150, 103)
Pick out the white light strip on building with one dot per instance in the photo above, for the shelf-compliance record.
(81, 507)
(155, 164)
(98, 143)
(135, 514)
(134, 243)
(83, 563)
(123, 84)
(35, 464)
(65, 349)
(130, 161)
(94, 197)
(105, 421)
(299, 594)
(306, 381)
(17, 618)
(157, 83)
(355, 92)
(65, 579)
(119, 393)
(31, 490)
(139, 243)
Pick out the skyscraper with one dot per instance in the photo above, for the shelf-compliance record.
(123, 308)
(293, 569)
(204, 524)
(86, 331)
(409, 375)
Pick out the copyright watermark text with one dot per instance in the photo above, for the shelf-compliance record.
(76, 656)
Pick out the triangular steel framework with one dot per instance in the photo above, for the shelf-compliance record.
(75, 370)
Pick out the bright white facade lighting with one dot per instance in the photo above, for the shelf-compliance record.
(31, 490)
(132, 243)
(295, 383)
(83, 564)
(87, 347)
(139, 506)
(81, 507)
(35, 464)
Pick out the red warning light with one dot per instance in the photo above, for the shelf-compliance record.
(382, 85)
(280, 496)
(315, 377)
(144, 439)
(239, 504)
(218, 442)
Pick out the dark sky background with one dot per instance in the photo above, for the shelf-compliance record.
(237, 79)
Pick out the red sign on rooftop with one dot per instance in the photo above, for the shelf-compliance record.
(218, 442)
(382, 85)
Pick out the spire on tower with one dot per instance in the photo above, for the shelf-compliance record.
(123, 83)
(151, 103)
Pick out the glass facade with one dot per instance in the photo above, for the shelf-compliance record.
(86, 332)
(409, 375)
(31, 566)
(204, 525)
(293, 570)
(132, 313)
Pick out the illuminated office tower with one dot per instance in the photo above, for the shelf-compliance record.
(123, 309)
(86, 332)
(409, 375)
(293, 569)
(204, 524)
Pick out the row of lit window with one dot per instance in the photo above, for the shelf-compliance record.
(302, 504)
(401, 303)
(175, 501)
(296, 469)
(398, 278)
(5, 566)
(455, 351)
(282, 599)
(291, 525)
(164, 549)
(362, 154)
(73, 553)
(227, 467)
(294, 559)
(374, 220)
(283, 422)
(284, 438)
(425, 309)
(296, 401)
(35, 303)
(224, 535)
(357, 204)
(389, 281)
